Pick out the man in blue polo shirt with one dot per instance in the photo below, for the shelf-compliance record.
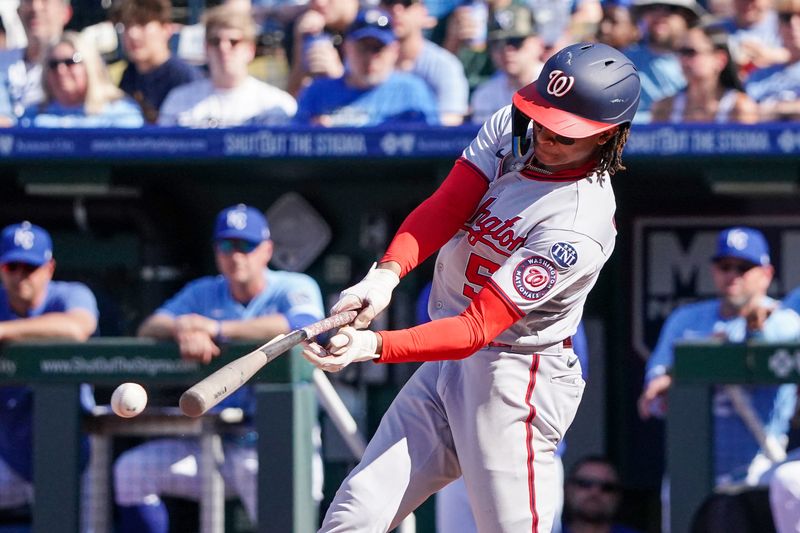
(246, 301)
(742, 272)
(32, 305)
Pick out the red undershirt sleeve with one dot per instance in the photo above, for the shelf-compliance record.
(489, 314)
(428, 227)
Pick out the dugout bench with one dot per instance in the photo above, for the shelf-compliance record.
(285, 413)
(698, 367)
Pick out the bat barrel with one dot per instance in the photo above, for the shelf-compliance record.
(212, 390)
(192, 403)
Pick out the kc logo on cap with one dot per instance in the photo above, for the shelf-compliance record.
(737, 239)
(23, 236)
(25, 243)
(237, 219)
(241, 222)
(741, 242)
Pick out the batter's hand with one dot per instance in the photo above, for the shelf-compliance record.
(349, 345)
(369, 296)
(653, 400)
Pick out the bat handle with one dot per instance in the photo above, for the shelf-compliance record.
(335, 321)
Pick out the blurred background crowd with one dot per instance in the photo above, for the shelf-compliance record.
(131, 63)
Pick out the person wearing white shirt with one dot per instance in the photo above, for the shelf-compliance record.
(230, 97)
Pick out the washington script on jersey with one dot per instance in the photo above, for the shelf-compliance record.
(492, 231)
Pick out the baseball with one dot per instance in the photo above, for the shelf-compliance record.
(128, 400)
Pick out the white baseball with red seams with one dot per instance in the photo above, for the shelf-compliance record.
(128, 400)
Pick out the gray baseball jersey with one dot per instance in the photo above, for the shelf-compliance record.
(542, 241)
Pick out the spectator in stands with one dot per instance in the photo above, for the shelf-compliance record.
(515, 49)
(33, 306)
(152, 70)
(79, 92)
(44, 21)
(742, 272)
(754, 38)
(315, 41)
(663, 24)
(231, 96)
(777, 88)
(592, 498)
(248, 301)
(617, 26)
(463, 33)
(563, 22)
(372, 91)
(440, 69)
(713, 92)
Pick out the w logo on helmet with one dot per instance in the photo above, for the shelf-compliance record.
(559, 84)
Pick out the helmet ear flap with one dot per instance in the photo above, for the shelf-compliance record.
(520, 143)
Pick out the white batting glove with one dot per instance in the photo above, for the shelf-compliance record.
(369, 296)
(349, 345)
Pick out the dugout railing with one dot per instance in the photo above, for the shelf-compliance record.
(285, 412)
(699, 366)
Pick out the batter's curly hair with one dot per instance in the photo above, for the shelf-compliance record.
(611, 153)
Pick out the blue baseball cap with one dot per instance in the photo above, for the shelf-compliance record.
(241, 222)
(25, 243)
(743, 243)
(372, 22)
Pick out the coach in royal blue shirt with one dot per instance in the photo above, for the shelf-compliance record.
(32, 305)
(742, 272)
(246, 301)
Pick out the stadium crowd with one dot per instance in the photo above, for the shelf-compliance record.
(344, 62)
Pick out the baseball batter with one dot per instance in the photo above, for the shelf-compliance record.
(524, 222)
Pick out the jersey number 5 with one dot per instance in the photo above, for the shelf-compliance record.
(479, 270)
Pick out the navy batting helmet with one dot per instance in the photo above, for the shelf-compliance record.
(583, 89)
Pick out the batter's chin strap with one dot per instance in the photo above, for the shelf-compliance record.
(520, 142)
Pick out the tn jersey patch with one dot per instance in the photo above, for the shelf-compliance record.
(564, 254)
(534, 277)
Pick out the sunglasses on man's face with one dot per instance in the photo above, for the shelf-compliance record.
(229, 246)
(217, 41)
(514, 42)
(404, 3)
(567, 141)
(665, 8)
(589, 483)
(54, 62)
(24, 268)
(786, 16)
(687, 51)
(737, 267)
